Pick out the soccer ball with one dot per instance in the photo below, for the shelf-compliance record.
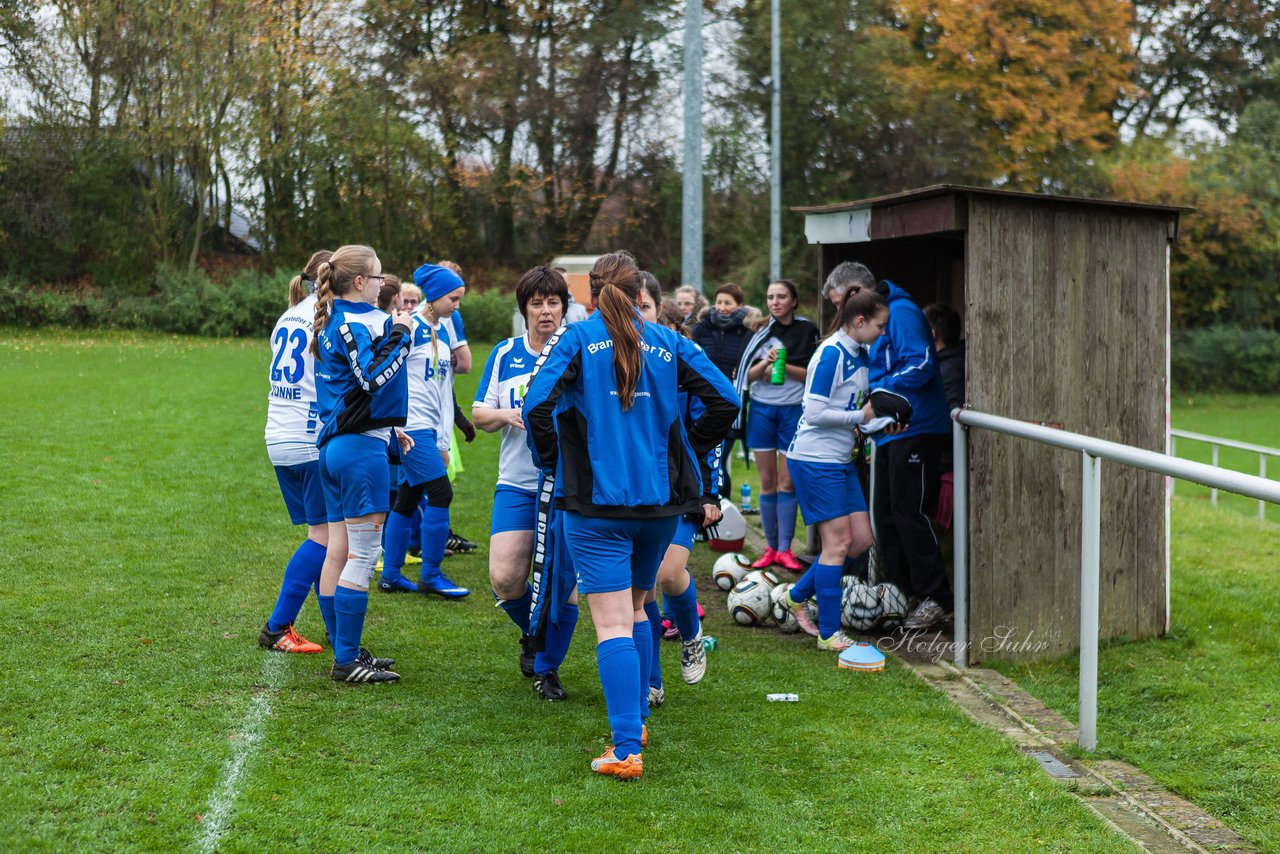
(782, 616)
(729, 570)
(893, 605)
(749, 600)
(860, 606)
(765, 577)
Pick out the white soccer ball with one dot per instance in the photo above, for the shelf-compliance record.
(893, 605)
(749, 600)
(782, 616)
(859, 605)
(729, 570)
(765, 577)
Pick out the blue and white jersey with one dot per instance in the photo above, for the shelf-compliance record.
(293, 419)
(431, 380)
(835, 391)
(361, 386)
(458, 330)
(502, 386)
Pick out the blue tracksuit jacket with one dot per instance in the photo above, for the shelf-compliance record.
(359, 382)
(640, 462)
(902, 360)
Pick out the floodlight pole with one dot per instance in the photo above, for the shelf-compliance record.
(691, 210)
(775, 151)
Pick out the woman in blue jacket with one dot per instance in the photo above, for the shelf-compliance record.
(362, 396)
(603, 418)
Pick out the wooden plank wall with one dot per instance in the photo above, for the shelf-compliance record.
(1065, 323)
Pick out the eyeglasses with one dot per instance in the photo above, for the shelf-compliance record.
(381, 279)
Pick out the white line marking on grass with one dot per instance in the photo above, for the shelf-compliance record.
(244, 745)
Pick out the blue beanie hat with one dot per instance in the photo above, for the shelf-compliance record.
(436, 281)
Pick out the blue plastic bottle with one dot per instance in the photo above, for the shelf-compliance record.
(746, 498)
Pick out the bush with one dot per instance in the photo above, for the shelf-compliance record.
(488, 316)
(1226, 358)
(246, 304)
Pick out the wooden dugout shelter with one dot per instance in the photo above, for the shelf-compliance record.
(1065, 305)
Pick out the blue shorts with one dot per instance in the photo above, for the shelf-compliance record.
(684, 534)
(353, 469)
(303, 493)
(422, 464)
(826, 490)
(514, 509)
(771, 428)
(617, 554)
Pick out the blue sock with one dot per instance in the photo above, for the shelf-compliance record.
(804, 586)
(415, 530)
(558, 636)
(828, 590)
(668, 610)
(302, 571)
(769, 517)
(348, 609)
(686, 607)
(619, 665)
(786, 520)
(435, 532)
(396, 536)
(326, 614)
(518, 609)
(642, 636)
(655, 656)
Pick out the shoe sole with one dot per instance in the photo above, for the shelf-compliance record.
(391, 589)
(292, 651)
(444, 595)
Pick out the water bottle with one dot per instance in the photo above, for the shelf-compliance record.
(709, 643)
(745, 507)
(783, 698)
(780, 368)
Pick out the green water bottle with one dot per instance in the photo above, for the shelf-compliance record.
(780, 368)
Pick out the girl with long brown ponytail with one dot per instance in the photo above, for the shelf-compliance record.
(604, 421)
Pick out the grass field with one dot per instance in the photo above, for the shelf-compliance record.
(143, 547)
(1200, 709)
(1245, 418)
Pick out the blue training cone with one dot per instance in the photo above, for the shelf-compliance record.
(862, 656)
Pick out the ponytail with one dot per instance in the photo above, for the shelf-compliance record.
(302, 285)
(620, 320)
(324, 305)
(857, 301)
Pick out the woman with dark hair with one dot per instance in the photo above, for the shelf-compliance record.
(722, 332)
(604, 420)
(772, 386)
(542, 296)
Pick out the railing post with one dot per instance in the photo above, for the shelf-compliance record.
(1090, 536)
(1213, 492)
(960, 542)
(1262, 472)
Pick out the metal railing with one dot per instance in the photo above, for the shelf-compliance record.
(1216, 442)
(1093, 452)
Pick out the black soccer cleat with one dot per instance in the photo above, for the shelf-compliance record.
(547, 686)
(459, 544)
(368, 659)
(526, 656)
(361, 674)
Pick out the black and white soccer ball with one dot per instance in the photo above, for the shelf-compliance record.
(859, 606)
(782, 616)
(749, 601)
(893, 605)
(729, 569)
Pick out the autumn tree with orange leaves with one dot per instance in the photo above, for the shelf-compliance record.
(1036, 80)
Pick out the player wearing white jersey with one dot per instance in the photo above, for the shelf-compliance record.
(821, 459)
(292, 425)
(541, 295)
(423, 470)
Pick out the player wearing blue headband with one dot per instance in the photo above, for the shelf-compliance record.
(424, 469)
(361, 392)
(603, 419)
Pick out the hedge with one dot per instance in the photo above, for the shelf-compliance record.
(1226, 358)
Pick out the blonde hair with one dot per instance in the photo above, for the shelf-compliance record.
(451, 267)
(411, 288)
(754, 319)
(334, 278)
(699, 301)
(298, 290)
